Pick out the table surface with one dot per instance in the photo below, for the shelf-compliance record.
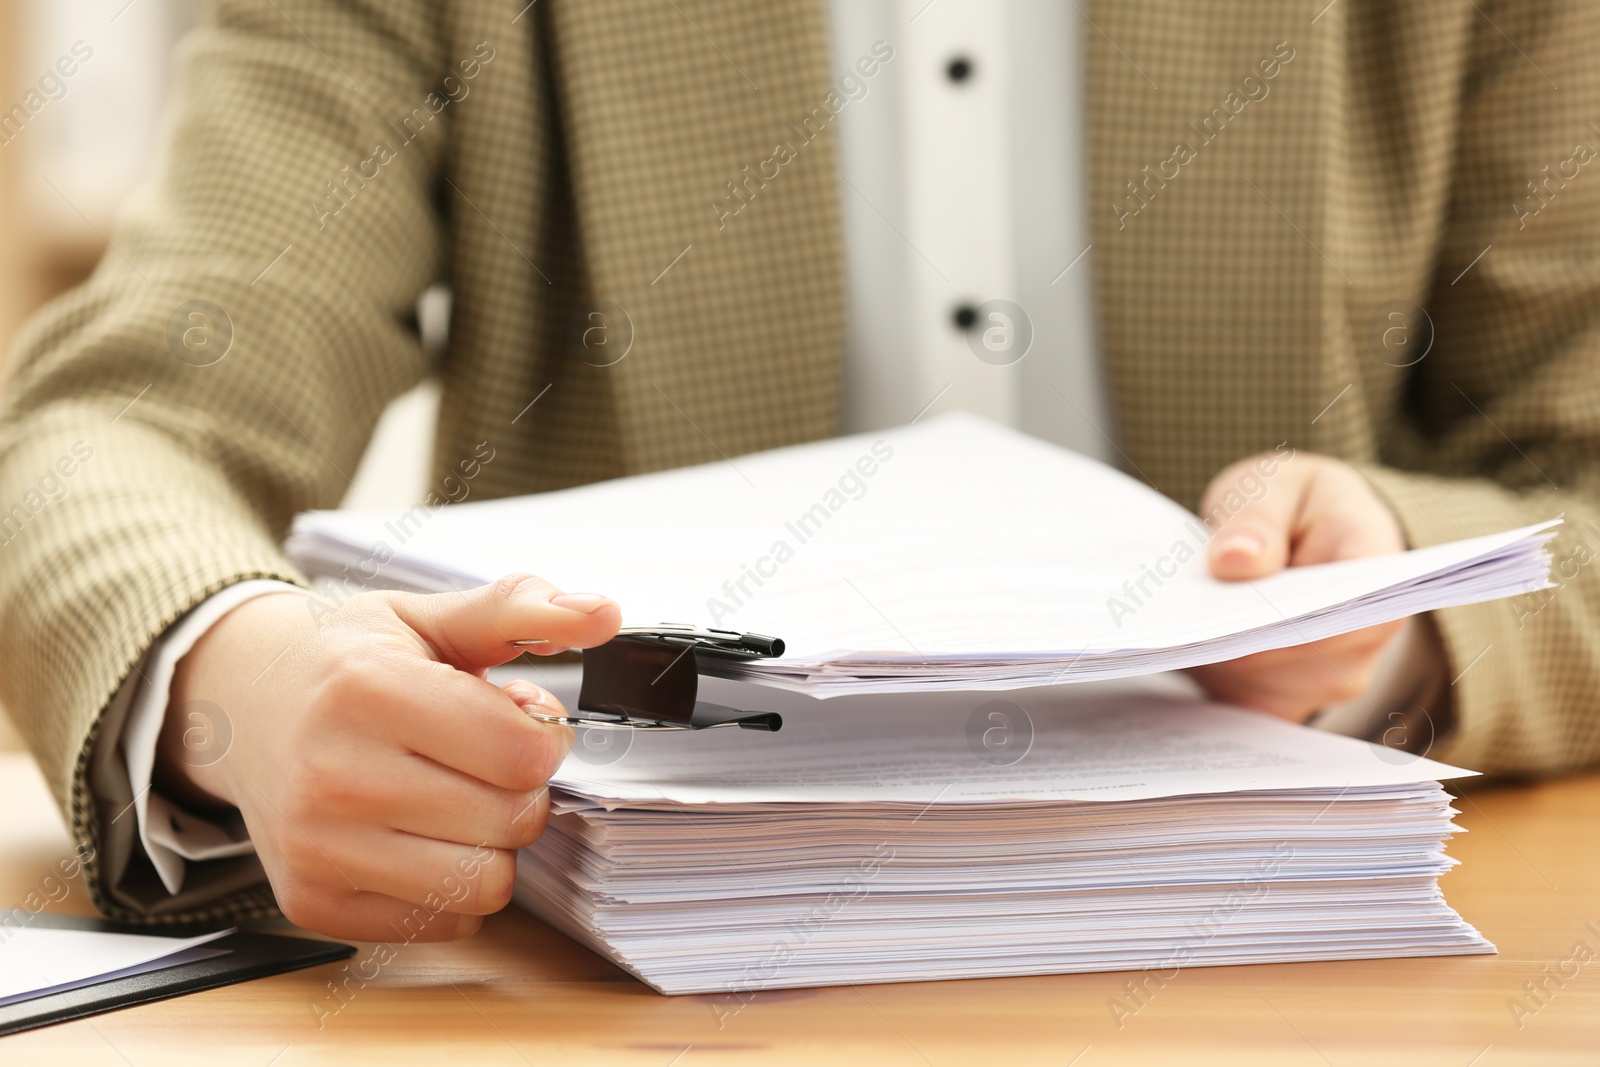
(519, 993)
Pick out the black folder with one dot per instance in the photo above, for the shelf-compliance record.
(249, 955)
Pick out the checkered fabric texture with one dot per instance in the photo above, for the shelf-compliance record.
(550, 159)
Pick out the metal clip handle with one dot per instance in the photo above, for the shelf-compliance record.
(717, 642)
(647, 678)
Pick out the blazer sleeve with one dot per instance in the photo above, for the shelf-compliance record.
(221, 370)
(1501, 426)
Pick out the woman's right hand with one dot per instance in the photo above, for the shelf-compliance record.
(385, 783)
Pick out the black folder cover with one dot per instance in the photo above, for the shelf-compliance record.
(250, 955)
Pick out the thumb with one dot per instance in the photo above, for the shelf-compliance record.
(477, 628)
(1258, 520)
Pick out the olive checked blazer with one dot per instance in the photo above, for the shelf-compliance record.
(325, 162)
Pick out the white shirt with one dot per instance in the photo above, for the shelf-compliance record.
(961, 184)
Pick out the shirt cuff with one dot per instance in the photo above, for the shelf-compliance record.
(169, 833)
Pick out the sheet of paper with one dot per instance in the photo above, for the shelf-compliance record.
(1093, 743)
(37, 959)
(177, 959)
(950, 552)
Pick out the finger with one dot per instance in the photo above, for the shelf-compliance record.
(533, 699)
(356, 916)
(1315, 686)
(1365, 643)
(1303, 677)
(1254, 538)
(1308, 676)
(461, 721)
(477, 628)
(1295, 682)
(374, 872)
(1240, 691)
(427, 799)
(441, 876)
(1343, 518)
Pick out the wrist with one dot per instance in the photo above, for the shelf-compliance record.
(213, 688)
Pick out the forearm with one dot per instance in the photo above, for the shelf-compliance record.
(188, 460)
(141, 534)
(225, 662)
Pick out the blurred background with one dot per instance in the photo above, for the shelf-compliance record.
(64, 172)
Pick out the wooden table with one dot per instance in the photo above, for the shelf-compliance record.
(520, 994)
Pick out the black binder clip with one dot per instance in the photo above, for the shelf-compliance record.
(647, 678)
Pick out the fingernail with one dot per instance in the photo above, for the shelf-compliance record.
(1243, 544)
(583, 603)
(526, 695)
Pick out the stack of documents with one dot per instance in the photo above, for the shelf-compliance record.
(922, 826)
(1079, 828)
(955, 554)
